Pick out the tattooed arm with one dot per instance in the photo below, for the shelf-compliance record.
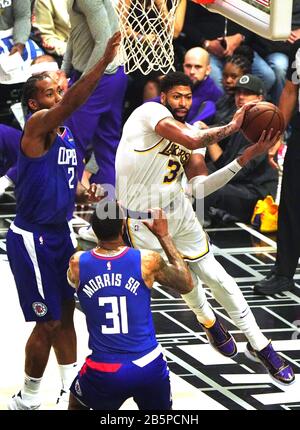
(193, 138)
(154, 268)
(174, 274)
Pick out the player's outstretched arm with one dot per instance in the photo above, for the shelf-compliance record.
(192, 138)
(42, 122)
(261, 147)
(174, 274)
(203, 185)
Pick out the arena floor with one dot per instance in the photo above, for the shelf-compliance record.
(201, 378)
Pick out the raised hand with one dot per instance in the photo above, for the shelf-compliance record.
(112, 47)
(262, 146)
(266, 141)
(232, 42)
(215, 47)
(238, 117)
(158, 224)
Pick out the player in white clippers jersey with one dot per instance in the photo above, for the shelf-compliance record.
(155, 149)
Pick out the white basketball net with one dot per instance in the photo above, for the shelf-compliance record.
(147, 28)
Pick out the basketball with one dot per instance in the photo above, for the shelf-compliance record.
(262, 116)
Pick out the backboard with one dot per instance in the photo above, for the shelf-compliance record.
(268, 18)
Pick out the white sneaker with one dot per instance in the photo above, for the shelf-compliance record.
(16, 403)
(88, 234)
(62, 402)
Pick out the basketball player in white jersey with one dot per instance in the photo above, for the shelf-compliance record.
(155, 149)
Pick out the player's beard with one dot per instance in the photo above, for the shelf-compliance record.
(173, 112)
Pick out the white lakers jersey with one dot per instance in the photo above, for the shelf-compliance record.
(148, 167)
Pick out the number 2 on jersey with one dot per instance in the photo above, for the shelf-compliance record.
(118, 315)
(174, 167)
(71, 172)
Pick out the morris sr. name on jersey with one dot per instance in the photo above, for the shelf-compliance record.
(109, 280)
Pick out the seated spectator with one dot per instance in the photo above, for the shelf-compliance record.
(236, 200)
(205, 92)
(275, 54)
(209, 30)
(53, 23)
(15, 24)
(43, 63)
(235, 67)
(17, 51)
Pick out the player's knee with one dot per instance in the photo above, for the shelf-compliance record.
(228, 286)
(222, 282)
(216, 279)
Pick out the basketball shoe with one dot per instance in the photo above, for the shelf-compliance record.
(277, 368)
(273, 284)
(220, 339)
(17, 403)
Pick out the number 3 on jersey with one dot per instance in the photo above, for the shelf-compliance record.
(118, 315)
(174, 167)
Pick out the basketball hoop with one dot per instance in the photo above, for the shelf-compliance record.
(147, 28)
